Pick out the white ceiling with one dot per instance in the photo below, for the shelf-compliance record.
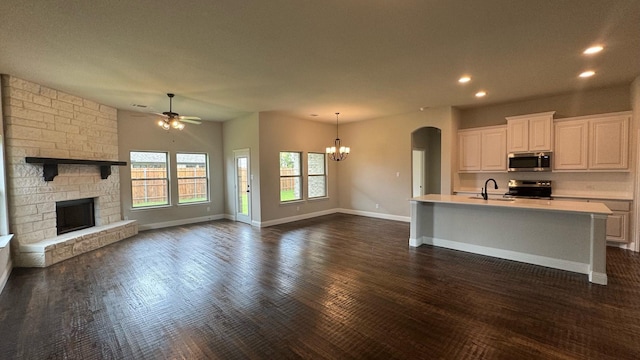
(362, 58)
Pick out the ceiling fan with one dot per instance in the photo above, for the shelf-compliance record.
(174, 120)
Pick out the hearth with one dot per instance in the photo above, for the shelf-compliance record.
(74, 215)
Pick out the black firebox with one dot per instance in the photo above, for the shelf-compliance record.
(74, 215)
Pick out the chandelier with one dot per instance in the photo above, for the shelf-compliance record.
(337, 152)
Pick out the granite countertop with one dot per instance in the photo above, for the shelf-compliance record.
(562, 194)
(531, 204)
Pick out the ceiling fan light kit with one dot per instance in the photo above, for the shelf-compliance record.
(173, 120)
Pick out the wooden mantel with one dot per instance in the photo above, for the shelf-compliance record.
(50, 165)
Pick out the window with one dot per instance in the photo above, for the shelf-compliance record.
(290, 176)
(193, 181)
(317, 175)
(149, 179)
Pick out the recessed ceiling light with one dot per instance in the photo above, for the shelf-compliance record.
(593, 50)
(481, 93)
(464, 79)
(587, 74)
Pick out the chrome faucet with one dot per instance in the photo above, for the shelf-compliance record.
(484, 192)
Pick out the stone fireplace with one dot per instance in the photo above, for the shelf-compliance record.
(43, 122)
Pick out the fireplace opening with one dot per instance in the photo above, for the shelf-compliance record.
(74, 215)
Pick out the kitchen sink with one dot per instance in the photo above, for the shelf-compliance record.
(497, 199)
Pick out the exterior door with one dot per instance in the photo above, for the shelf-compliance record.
(243, 185)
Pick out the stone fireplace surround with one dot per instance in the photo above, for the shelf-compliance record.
(43, 122)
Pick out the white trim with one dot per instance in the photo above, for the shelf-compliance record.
(4, 240)
(237, 216)
(276, 221)
(294, 218)
(329, 212)
(165, 224)
(375, 215)
(573, 266)
(415, 242)
(4, 276)
(598, 278)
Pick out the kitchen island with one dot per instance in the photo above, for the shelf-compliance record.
(565, 235)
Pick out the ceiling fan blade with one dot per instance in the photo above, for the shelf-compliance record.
(191, 121)
(189, 118)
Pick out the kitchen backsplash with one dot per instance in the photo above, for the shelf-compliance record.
(615, 185)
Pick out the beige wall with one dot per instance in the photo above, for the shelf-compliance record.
(284, 133)
(139, 132)
(242, 133)
(378, 170)
(579, 103)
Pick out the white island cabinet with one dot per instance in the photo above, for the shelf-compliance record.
(565, 235)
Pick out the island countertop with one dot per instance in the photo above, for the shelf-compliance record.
(530, 204)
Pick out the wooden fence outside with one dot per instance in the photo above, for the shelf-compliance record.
(287, 183)
(151, 186)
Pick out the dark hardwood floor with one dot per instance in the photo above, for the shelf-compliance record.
(334, 287)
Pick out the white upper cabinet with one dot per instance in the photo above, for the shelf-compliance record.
(494, 149)
(469, 144)
(483, 149)
(609, 142)
(532, 132)
(518, 135)
(571, 144)
(594, 142)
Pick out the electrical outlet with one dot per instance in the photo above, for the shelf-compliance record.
(208, 208)
(377, 206)
(297, 208)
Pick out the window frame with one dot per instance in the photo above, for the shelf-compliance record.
(323, 175)
(299, 176)
(167, 180)
(206, 177)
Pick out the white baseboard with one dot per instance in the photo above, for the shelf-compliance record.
(415, 242)
(375, 215)
(567, 265)
(285, 220)
(165, 224)
(294, 218)
(598, 278)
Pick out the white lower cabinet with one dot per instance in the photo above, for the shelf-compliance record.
(618, 223)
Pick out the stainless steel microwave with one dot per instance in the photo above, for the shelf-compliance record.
(534, 161)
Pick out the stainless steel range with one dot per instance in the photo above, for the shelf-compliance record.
(532, 189)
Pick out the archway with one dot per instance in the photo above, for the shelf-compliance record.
(426, 160)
